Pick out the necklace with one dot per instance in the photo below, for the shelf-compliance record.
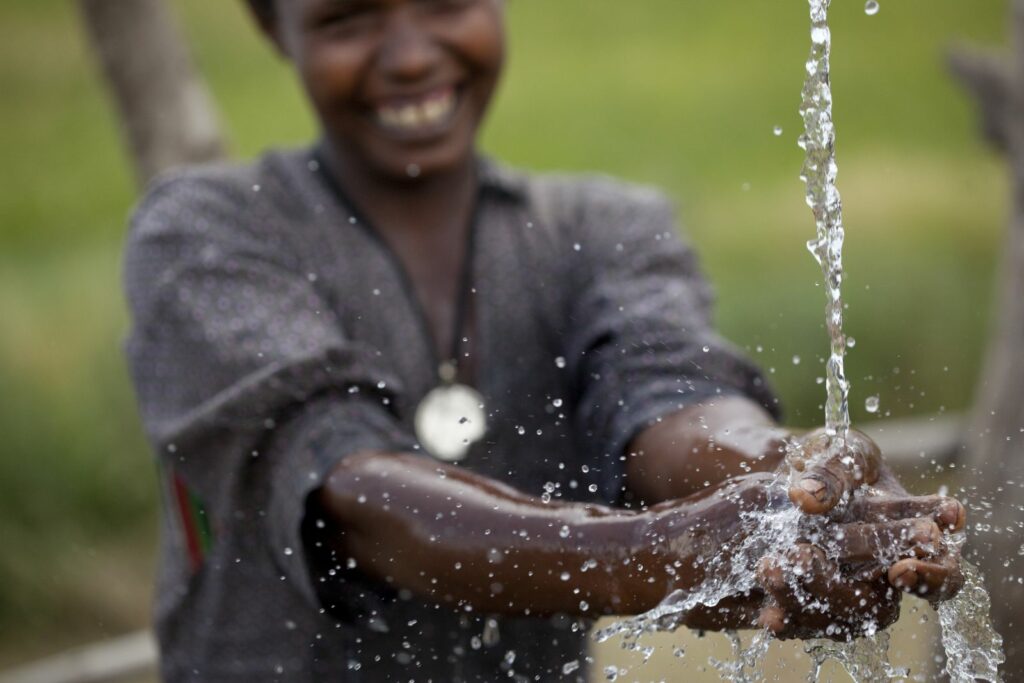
(450, 418)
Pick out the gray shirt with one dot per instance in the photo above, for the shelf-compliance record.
(272, 337)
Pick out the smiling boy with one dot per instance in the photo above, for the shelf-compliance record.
(418, 412)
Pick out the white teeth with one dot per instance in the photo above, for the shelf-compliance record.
(428, 112)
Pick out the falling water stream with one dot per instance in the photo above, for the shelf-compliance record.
(973, 649)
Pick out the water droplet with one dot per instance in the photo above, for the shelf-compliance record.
(564, 532)
(796, 360)
(520, 430)
(557, 403)
(871, 404)
(850, 342)
(871, 8)
(705, 348)
(560, 362)
(491, 634)
(564, 576)
(288, 552)
(576, 246)
(592, 488)
(412, 170)
(569, 667)
(777, 131)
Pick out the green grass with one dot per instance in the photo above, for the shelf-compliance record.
(683, 95)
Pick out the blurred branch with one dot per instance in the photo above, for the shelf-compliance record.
(987, 77)
(167, 116)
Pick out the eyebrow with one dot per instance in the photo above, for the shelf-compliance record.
(318, 7)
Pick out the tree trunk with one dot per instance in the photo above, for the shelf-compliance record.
(995, 441)
(167, 117)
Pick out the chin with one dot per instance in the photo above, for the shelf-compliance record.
(419, 164)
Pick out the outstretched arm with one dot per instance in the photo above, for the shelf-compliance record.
(459, 539)
(455, 537)
(702, 445)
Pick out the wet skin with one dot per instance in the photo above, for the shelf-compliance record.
(400, 88)
(460, 539)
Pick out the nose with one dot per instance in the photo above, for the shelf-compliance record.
(408, 51)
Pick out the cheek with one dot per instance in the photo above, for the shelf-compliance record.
(330, 74)
(481, 38)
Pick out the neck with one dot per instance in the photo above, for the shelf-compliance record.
(433, 202)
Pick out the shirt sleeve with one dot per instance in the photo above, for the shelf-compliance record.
(248, 388)
(641, 341)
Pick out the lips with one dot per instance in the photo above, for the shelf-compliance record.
(417, 115)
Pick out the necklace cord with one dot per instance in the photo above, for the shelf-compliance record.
(465, 285)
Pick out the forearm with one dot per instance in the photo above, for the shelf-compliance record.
(703, 445)
(460, 539)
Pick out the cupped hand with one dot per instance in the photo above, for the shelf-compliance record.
(934, 575)
(847, 576)
(829, 471)
(845, 579)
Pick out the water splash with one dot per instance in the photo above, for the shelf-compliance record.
(974, 650)
(819, 174)
(733, 575)
(865, 659)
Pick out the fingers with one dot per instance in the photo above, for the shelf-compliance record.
(948, 513)
(809, 597)
(861, 542)
(774, 619)
(935, 581)
(820, 487)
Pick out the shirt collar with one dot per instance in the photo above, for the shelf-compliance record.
(492, 175)
(500, 178)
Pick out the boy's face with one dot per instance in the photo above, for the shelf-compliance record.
(400, 86)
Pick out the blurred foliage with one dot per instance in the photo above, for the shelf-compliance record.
(683, 95)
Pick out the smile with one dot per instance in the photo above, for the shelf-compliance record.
(424, 114)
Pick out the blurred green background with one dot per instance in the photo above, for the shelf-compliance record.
(683, 94)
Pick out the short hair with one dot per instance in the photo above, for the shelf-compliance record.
(262, 8)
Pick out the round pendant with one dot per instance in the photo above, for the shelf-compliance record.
(449, 420)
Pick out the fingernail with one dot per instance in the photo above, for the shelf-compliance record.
(953, 516)
(906, 580)
(815, 487)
